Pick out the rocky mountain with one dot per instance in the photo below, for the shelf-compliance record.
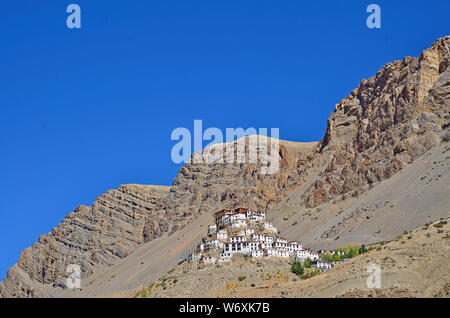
(121, 219)
(386, 123)
(204, 187)
(89, 236)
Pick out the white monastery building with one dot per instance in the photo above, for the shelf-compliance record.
(269, 227)
(242, 231)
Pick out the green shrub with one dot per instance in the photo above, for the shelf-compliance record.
(308, 263)
(297, 268)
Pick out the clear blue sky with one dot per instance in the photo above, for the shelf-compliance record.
(82, 111)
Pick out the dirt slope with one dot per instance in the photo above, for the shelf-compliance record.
(147, 263)
(414, 265)
(415, 195)
(403, 202)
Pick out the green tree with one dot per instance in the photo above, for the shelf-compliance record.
(308, 263)
(363, 249)
(297, 268)
(351, 253)
(336, 257)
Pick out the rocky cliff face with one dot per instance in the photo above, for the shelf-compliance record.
(205, 187)
(384, 124)
(121, 219)
(89, 236)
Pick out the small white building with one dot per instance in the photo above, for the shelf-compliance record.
(222, 235)
(255, 219)
(283, 253)
(331, 252)
(221, 215)
(303, 254)
(281, 240)
(280, 245)
(224, 260)
(249, 232)
(314, 255)
(212, 244)
(209, 260)
(195, 257)
(212, 228)
(277, 253)
(272, 252)
(236, 248)
(322, 265)
(269, 227)
(294, 246)
(257, 253)
(252, 246)
(200, 247)
(225, 255)
(237, 224)
(269, 239)
(258, 237)
(226, 220)
(238, 216)
(265, 245)
(256, 216)
(230, 248)
(237, 239)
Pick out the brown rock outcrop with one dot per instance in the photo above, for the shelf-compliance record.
(205, 187)
(89, 236)
(385, 123)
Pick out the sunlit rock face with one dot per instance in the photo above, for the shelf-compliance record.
(89, 236)
(385, 123)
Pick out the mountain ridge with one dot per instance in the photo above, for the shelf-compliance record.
(382, 126)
